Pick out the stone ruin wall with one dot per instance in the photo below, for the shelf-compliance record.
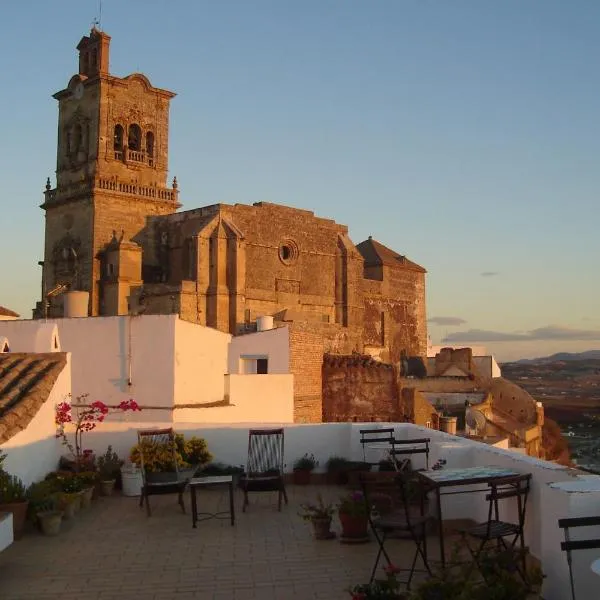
(358, 388)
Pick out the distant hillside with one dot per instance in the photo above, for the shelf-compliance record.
(563, 356)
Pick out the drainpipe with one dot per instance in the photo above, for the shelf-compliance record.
(129, 382)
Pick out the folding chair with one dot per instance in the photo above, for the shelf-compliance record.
(264, 469)
(496, 530)
(174, 482)
(415, 446)
(398, 519)
(569, 545)
(381, 435)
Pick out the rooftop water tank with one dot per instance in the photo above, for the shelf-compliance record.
(76, 304)
(264, 323)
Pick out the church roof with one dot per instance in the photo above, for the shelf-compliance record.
(376, 255)
(5, 312)
(26, 381)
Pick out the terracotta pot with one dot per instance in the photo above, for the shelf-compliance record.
(19, 513)
(322, 528)
(354, 527)
(50, 521)
(107, 487)
(86, 497)
(301, 476)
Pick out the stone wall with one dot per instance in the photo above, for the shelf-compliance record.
(358, 388)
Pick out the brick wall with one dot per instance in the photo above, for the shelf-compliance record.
(306, 357)
(358, 388)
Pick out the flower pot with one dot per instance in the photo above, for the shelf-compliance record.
(354, 526)
(68, 504)
(322, 528)
(301, 477)
(132, 481)
(86, 497)
(107, 487)
(50, 521)
(19, 513)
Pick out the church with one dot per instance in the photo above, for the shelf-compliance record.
(114, 233)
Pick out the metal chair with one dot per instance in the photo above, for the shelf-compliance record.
(396, 519)
(379, 435)
(494, 529)
(415, 446)
(170, 482)
(569, 545)
(264, 469)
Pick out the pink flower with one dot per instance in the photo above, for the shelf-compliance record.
(392, 570)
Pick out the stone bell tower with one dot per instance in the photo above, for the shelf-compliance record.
(111, 174)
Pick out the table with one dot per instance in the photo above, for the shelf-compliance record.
(436, 480)
(197, 482)
(595, 566)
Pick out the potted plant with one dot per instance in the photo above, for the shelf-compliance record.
(319, 514)
(68, 496)
(337, 470)
(382, 589)
(354, 517)
(88, 484)
(161, 459)
(303, 468)
(13, 499)
(43, 500)
(109, 465)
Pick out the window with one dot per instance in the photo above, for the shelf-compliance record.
(254, 365)
(94, 58)
(77, 137)
(118, 138)
(288, 252)
(150, 144)
(68, 140)
(134, 140)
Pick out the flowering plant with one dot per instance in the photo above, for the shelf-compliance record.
(354, 504)
(320, 510)
(379, 589)
(11, 487)
(85, 420)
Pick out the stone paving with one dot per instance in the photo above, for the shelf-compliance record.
(113, 551)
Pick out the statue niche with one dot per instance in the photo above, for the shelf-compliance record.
(66, 257)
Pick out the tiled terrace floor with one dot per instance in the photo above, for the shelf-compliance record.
(112, 550)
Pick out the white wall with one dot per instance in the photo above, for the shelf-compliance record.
(31, 336)
(100, 348)
(200, 363)
(35, 451)
(273, 343)
(6, 530)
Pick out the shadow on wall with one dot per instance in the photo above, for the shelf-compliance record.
(32, 461)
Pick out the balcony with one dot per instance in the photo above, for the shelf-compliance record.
(114, 550)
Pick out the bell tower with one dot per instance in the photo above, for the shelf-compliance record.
(111, 173)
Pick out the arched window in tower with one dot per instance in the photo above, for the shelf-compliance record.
(77, 138)
(150, 148)
(134, 140)
(94, 59)
(118, 142)
(68, 141)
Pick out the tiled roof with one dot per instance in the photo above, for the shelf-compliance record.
(26, 381)
(6, 312)
(376, 254)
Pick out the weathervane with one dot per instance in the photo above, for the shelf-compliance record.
(96, 23)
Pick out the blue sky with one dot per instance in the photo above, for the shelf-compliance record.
(464, 134)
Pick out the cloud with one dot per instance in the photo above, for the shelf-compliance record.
(550, 332)
(489, 273)
(447, 321)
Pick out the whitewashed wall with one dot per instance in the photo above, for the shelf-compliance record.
(200, 363)
(273, 343)
(6, 530)
(31, 336)
(35, 451)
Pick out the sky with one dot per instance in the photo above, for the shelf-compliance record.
(464, 134)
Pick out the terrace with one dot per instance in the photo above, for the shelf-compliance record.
(112, 550)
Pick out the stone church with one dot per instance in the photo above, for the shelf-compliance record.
(113, 230)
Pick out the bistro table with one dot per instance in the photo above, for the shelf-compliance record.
(435, 480)
(197, 482)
